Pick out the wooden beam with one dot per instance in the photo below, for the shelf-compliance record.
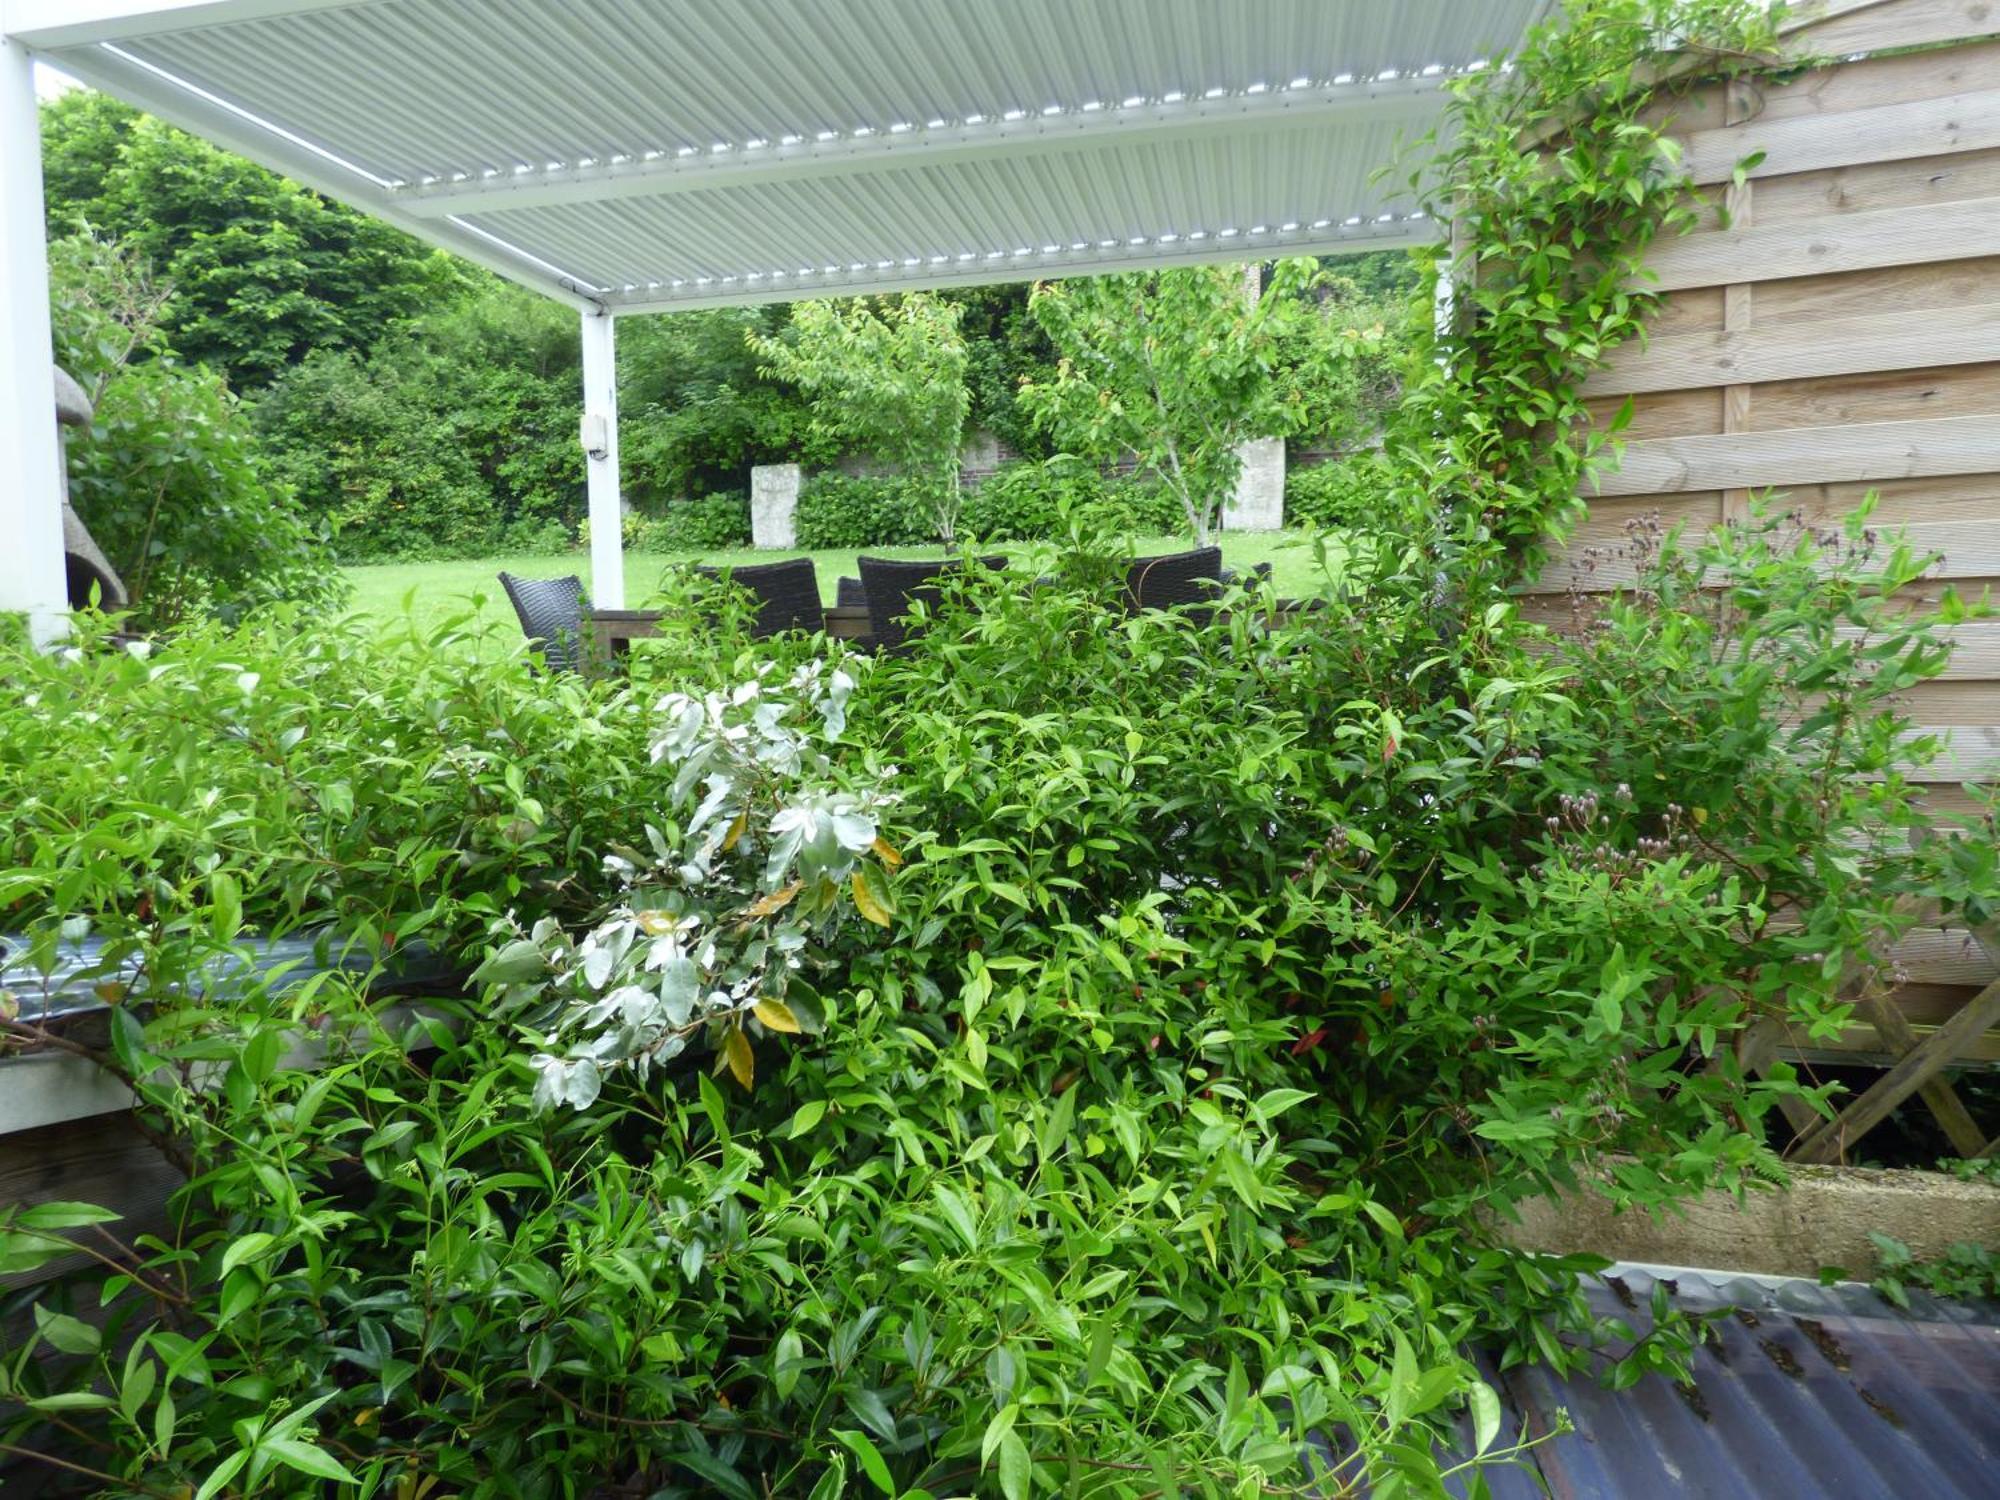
(1880, 1011)
(1810, 143)
(1828, 1140)
(1804, 455)
(1840, 242)
(1876, 342)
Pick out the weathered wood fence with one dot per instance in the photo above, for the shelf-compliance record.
(1836, 331)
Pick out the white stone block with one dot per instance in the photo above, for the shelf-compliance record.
(1259, 501)
(774, 505)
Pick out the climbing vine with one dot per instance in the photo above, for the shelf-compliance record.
(1557, 175)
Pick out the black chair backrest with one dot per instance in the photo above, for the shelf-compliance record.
(893, 586)
(551, 615)
(1176, 579)
(787, 594)
(849, 594)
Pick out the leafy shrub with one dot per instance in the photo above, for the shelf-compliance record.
(1023, 502)
(887, 1258)
(1348, 491)
(1965, 1272)
(1140, 505)
(702, 523)
(848, 510)
(168, 479)
(313, 772)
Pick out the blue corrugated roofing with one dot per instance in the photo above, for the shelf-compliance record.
(1805, 1392)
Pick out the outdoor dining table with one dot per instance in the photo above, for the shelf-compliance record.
(612, 631)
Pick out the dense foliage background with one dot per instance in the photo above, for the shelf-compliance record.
(418, 407)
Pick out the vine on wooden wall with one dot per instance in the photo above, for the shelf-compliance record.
(1556, 174)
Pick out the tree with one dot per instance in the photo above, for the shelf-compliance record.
(168, 478)
(264, 270)
(889, 377)
(1180, 367)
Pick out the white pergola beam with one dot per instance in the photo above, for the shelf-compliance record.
(33, 578)
(1403, 234)
(1396, 101)
(45, 24)
(261, 142)
(600, 453)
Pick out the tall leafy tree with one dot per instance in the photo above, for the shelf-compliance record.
(263, 270)
(1180, 367)
(889, 377)
(168, 478)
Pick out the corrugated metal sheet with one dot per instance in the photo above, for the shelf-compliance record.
(1806, 1393)
(928, 139)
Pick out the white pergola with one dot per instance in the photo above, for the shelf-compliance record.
(637, 156)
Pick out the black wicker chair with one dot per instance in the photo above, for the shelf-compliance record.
(551, 615)
(787, 594)
(893, 586)
(1174, 580)
(849, 594)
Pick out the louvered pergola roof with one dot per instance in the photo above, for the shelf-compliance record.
(659, 154)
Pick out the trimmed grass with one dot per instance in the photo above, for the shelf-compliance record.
(435, 590)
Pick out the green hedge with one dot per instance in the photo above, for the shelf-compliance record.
(1020, 502)
(1345, 492)
(849, 510)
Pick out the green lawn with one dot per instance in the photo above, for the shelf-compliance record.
(436, 589)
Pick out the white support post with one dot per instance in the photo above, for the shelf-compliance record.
(32, 579)
(600, 451)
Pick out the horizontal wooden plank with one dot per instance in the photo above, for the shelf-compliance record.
(1802, 350)
(1920, 182)
(1872, 397)
(1943, 955)
(1595, 564)
(1971, 753)
(1805, 455)
(1888, 132)
(1848, 242)
(1845, 85)
(1955, 283)
(1897, 23)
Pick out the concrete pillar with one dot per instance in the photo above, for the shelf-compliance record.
(600, 450)
(1259, 501)
(32, 577)
(774, 505)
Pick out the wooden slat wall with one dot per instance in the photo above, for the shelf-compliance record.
(1837, 331)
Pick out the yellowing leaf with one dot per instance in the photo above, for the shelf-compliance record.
(735, 833)
(886, 852)
(742, 1061)
(777, 1015)
(866, 903)
(763, 906)
(656, 923)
